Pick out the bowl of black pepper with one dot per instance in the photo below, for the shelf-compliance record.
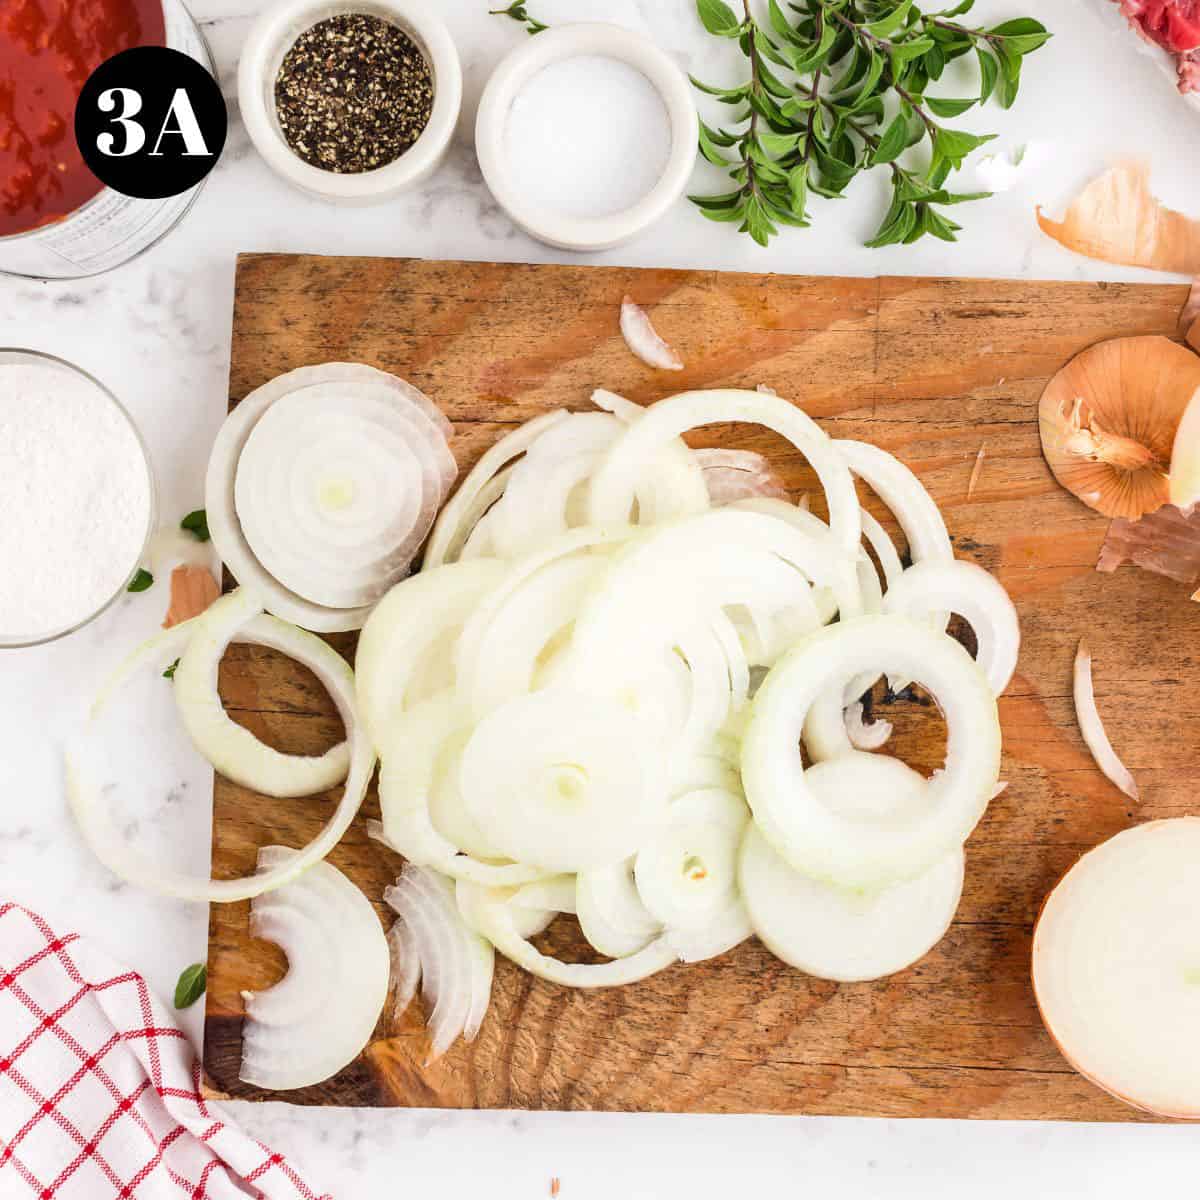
(353, 101)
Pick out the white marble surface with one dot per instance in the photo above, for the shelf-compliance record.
(158, 332)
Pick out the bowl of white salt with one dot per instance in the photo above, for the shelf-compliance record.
(586, 135)
(76, 498)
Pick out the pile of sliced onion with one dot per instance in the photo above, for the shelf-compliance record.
(588, 705)
(1116, 966)
(323, 485)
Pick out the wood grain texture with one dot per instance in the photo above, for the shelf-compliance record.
(929, 369)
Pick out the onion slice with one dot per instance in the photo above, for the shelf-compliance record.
(318, 1018)
(489, 912)
(230, 618)
(1092, 727)
(448, 528)
(232, 749)
(643, 340)
(455, 964)
(611, 913)
(613, 485)
(857, 853)
(847, 936)
(1116, 967)
(863, 736)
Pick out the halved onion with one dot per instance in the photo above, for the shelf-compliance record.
(1116, 966)
(847, 936)
(455, 963)
(490, 913)
(872, 853)
(687, 874)
(563, 781)
(230, 618)
(613, 485)
(318, 1018)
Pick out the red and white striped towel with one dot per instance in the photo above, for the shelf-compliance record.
(100, 1092)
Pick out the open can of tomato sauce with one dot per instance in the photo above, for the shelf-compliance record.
(57, 220)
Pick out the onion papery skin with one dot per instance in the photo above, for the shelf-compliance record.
(823, 845)
(1116, 967)
(320, 1016)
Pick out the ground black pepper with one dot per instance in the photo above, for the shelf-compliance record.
(353, 94)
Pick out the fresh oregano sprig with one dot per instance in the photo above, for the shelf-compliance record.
(839, 88)
(518, 12)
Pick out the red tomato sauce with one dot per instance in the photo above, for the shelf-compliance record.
(48, 48)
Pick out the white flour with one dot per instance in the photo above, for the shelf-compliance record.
(588, 136)
(75, 500)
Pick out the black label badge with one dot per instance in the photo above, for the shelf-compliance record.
(151, 122)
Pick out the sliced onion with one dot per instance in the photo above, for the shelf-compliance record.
(555, 895)
(213, 631)
(1116, 967)
(1092, 727)
(611, 913)
(448, 528)
(232, 749)
(613, 485)
(847, 936)
(863, 736)
(336, 488)
(319, 1017)
(224, 526)
(854, 853)
(885, 549)
(488, 911)
(471, 539)
(643, 340)
(408, 775)
(563, 782)
(413, 617)
(968, 590)
(455, 963)
(733, 475)
(687, 874)
(406, 968)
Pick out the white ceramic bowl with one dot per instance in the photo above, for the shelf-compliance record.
(571, 41)
(274, 34)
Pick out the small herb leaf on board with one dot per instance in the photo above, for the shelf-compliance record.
(196, 523)
(141, 581)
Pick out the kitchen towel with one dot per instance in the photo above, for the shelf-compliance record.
(100, 1091)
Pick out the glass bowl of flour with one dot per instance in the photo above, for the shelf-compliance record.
(77, 504)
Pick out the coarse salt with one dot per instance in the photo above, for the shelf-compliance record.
(587, 137)
(75, 500)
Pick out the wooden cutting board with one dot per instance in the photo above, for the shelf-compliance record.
(930, 369)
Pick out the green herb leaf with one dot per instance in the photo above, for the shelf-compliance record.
(1022, 36)
(718, 18)
(989, 72)
(953, 145)
(798, 187)
(709, 143)
(886, 26)
(196, 523)
(943, 107)
(191, 985)
(725, 95)
(141, 581)
(169, 673)
(893, 143)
